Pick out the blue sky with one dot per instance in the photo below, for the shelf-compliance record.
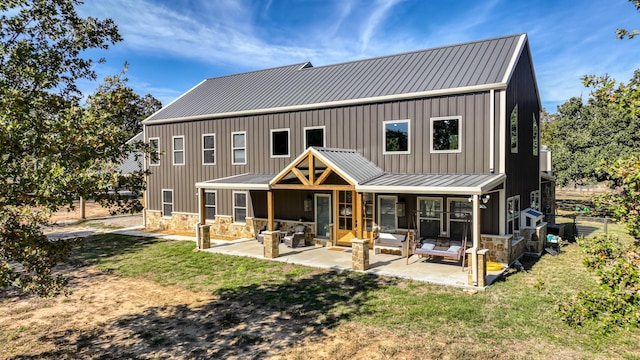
(171, 45)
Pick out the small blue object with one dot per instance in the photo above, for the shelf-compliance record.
(552, 238)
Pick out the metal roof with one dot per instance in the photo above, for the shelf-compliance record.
(465, 67)
(461, 184)
(239, 182)
(349, 163)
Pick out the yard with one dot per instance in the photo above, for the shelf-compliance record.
(148, 298)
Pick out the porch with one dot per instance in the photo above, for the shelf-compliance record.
(444, 273)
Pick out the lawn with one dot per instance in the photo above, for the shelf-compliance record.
(147, 298)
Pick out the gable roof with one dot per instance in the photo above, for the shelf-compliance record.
(474, 66)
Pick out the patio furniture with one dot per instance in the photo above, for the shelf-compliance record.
(260, 236)
(387, 241)
(434, 248)
(296, 238)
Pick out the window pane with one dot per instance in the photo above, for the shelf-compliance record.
(514, 130)
(315, 137)
(211, 213)
(280, 143)
(238, 156)
(167, 196)
(155, 154)
(239, 215)
(167, 209)
(388, 214)
(178, 143)
(396, 136)
(178, 157)
(208, 142)
(430, 208)
(460, 209)
(445, 134)
(240, 200)
(238, 140)
(210, 198)
(208, 156)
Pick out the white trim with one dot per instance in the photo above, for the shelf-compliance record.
(234, 207)
(288, 154)
(440, 118)
(163, 203)
(157, 150)
(379, 212)
(215, 152)
(492, 130)
(324, 134)
(373, 99)
(173, 150)
(502, 145)
(205, 206)
(512, 63)
(237, 186)
(384, 137)
(238, 148)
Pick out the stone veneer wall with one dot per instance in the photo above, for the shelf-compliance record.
(535, 237)
(224, 226)
(499, 247)
(181, 222)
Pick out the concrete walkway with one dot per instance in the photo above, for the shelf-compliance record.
(446, 273)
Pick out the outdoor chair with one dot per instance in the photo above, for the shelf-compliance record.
(296, 238)
(260, 236)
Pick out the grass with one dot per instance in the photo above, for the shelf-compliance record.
(519, 310)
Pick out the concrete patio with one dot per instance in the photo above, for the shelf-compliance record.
(446, 273)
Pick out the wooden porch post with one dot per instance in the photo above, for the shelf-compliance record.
(358, 215)
(270, 211)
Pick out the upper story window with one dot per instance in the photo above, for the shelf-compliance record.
(178, 150)
(446, 134)
(314, 136)
(535, 136)
(514, 129)
(167, 202)
(279, 143)
(154, 156)
(239, 148)
(396, 136)
(208, 149)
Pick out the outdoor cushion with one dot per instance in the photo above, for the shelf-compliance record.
(300, 228)
(454, 248)
(428, 246)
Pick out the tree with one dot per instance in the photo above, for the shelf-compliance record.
(54, 150)
(630, 34)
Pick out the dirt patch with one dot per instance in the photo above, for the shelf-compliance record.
(92, 210)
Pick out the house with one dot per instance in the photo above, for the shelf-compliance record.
(443, 140)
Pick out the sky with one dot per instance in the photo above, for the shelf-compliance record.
(172, 45)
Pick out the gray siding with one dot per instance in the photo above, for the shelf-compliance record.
(354, 127)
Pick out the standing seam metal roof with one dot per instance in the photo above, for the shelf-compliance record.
(456, 66)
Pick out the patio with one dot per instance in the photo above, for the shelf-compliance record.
(339, 258)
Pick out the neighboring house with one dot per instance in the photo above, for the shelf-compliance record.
(443, 140)
(135, 160)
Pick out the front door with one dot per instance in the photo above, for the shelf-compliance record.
(345, 217)
(323, 215)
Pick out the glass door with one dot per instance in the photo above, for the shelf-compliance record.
(344, 232)
(323, 215)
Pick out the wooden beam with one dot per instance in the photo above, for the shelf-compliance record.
(312, 168)
(358, 214)
(270, 210)
(300, 176)
(323, 176)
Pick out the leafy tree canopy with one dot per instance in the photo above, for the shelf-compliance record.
(630, 34)
(54, 149)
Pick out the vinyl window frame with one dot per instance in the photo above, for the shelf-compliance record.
(209, 206)
(432, 120)
(384, 137)
(175, 151)
(324, 135)
(236, 207)
(234, 148)
(271, 148)
(204, 149)
(165, 203)
(514, 207)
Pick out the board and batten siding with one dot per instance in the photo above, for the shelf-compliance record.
(358, 127)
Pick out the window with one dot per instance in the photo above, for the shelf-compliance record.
(388, 220)
(395, 136)
(239, 206)
(535, 199)
(167, 203)
(513, 214)
(208, 149)
(430, 217)
(535, 136)
(178, 150)
(514, 129)
(279, 143)
(239, 148)
(314, 136)
(210, 204)
(154, 156)
(460, 211)
(446, 134)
